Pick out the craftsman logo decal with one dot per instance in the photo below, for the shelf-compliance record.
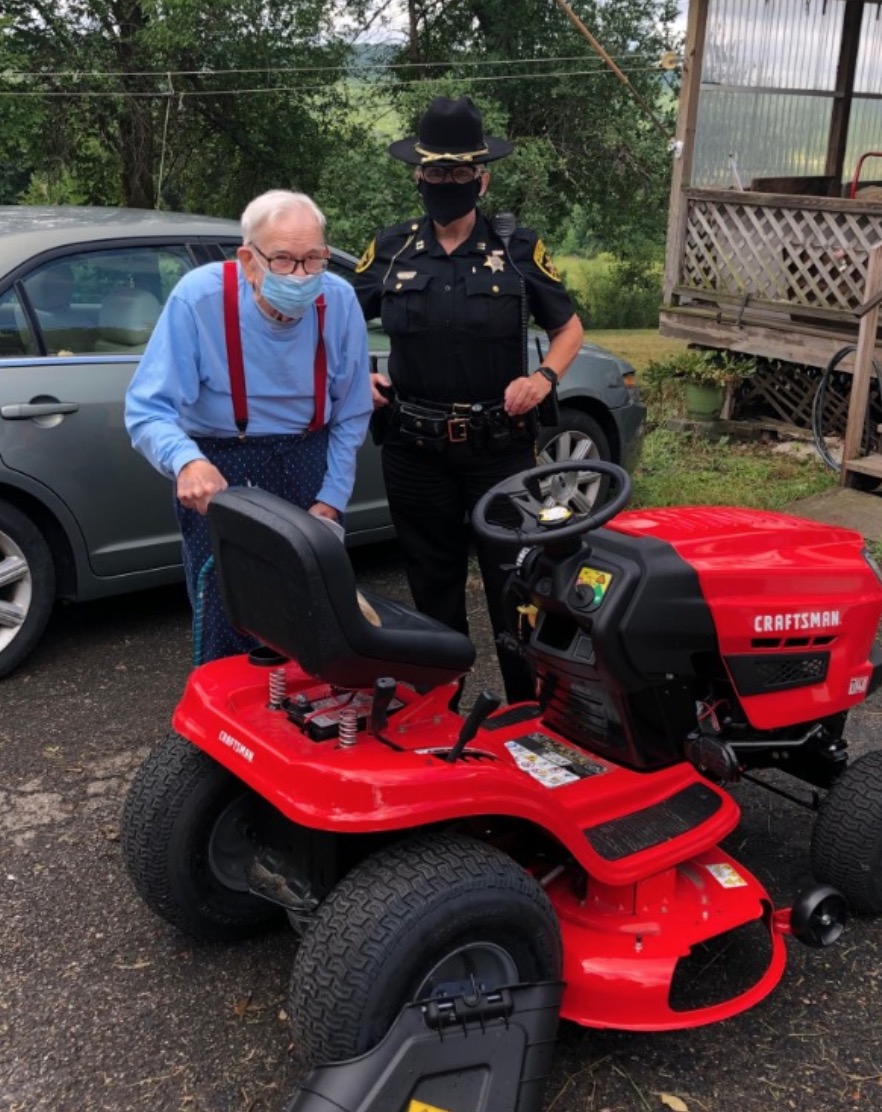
(857, 685)
(726, 875)
(233, 743)
(788, 623)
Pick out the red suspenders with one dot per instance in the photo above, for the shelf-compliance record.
(233, 337)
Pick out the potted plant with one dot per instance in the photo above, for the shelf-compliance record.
(708, 375)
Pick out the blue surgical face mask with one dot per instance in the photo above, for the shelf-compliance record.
(288, 294)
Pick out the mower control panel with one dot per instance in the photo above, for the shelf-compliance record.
(590, 587)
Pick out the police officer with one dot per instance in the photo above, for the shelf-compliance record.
(460, 414)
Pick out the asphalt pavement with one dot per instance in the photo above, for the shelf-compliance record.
(105, 1008)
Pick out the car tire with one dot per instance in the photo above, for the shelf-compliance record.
(188, 832)
(27, 586)
(577, 436)
(435, 910)
(846, 845)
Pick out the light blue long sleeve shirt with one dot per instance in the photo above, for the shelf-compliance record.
(181, 388)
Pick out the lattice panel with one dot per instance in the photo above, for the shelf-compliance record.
(786, 392)
(804, 258)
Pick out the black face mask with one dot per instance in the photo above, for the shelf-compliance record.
(449, 201)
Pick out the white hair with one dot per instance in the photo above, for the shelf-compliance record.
(270, 206)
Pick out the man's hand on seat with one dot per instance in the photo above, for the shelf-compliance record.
(198, 481)
(322, 509)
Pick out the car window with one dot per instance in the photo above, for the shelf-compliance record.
(16, 336)
(103, 301)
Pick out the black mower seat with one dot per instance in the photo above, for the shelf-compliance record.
(286, 579)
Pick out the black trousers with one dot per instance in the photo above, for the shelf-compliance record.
(430, 495)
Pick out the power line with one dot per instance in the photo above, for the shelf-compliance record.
(348, 70)
(171, 93)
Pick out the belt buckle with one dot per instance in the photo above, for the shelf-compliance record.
(457, 429)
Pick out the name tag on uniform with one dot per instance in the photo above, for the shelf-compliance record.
(406, 275)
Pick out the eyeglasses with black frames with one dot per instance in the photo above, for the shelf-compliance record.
(459, 175)
(314, 263)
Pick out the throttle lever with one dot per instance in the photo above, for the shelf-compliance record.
(485, 704)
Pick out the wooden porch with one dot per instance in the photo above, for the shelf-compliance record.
(787, 268)
(774, 275)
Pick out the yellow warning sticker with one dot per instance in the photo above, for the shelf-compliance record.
(726, 875)
(597, 580)
(420, 1106)
(367, 258)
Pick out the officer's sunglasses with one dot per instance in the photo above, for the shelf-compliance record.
(460, 175)
(287, 264)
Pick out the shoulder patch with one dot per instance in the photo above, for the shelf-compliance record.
(544, 261)
(367, 258)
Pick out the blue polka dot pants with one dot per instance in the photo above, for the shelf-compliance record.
(292, 467)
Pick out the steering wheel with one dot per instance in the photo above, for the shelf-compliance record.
(552, 518)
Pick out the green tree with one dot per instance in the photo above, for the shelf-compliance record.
(539, 82)
(187, 103)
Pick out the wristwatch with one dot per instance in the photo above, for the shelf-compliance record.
(548, 374)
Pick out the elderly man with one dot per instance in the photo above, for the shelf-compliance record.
(256, 374)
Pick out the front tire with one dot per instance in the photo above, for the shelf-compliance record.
(188, 833)
(846, 846)
(432, 916)
(27, 586)
(577, 437)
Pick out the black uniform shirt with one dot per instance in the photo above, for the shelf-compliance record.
(455, 320)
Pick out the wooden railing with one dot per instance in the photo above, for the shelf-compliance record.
(776, 253)
(852, 462)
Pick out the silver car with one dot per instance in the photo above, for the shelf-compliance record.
(82, 515)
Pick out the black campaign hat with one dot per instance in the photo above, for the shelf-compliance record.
(450, 131)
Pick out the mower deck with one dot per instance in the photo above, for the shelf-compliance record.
(659, 884)
(618, 824)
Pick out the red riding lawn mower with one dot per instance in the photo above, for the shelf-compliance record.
(457, 883)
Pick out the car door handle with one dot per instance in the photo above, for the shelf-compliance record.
(23, 411)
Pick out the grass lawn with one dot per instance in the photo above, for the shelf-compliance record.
(637, 345)
(686, 468)
(682, 468)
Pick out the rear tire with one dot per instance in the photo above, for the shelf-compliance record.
(188, 831)
(846, 846)
(419, 919)
(27, 586)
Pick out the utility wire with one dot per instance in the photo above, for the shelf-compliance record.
(348, 69)
(300, 89)
(596, 46)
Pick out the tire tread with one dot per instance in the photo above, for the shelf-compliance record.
(356, 931)
(846, 845)
(159, 792)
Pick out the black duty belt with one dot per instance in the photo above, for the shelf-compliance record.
(427, 424)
